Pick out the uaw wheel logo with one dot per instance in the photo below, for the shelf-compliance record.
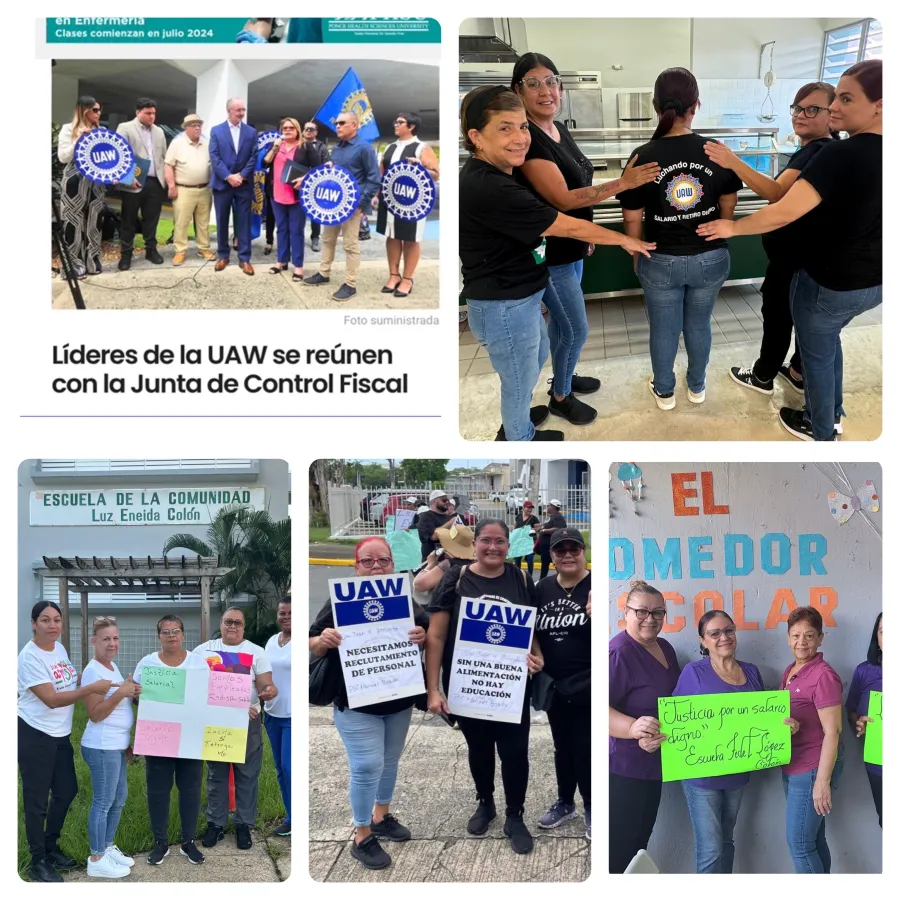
(407, 190)
(357, 103)
(496, 633)
(684, 191)
(329, 195)
(373, 610)
(103, 156)
(266, 139)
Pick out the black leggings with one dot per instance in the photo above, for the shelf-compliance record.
(511, 742)
(778, 325)
(188, 775)
(633, 804)
(47, 765)
(570, 725)
(544, 551)
(875, 784)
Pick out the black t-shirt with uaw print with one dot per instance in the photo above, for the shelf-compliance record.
(684, 196)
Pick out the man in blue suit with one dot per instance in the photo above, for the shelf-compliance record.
(232, 154)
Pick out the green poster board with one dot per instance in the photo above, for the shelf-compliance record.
(872, 746)
(163, 684)
(521, 542)
(406, 548)
(723, 734)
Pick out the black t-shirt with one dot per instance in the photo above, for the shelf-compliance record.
(428, 522)
(500, 228)
(845, 252)
(563, 627)
(786, 244)
(508, 587)
(325, 619)
(685, 195)
(532, 521)
(578, 172)
(555, 521)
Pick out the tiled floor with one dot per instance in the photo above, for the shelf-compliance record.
(619, 327)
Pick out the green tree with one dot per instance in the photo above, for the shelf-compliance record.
(258, 550)
(418, 471)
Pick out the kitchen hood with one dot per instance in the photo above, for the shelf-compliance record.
(492, 40)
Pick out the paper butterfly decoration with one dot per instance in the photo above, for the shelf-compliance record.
(842, 507)
(628, 472)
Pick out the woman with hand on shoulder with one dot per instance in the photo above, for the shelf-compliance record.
(642, 668)
(816, 755)
(106, 748)
(278, 710)
(867, 678)
(48, 690)
(373, 735)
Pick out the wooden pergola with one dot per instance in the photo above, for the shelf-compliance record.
(153, 576)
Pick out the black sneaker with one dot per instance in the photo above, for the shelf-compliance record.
(391, 829)
(370, 853)
(548, 434)
(314, 245)
(125, 262)
(159, 852)
(41, 870)
(283, 830)
(517, 831)
(344, 292)
(59, 860)
(663, 401)
(745, 378)
(192, 853)
(213, 835)
(484, 814)
(242, 833)
(316, 279)
(572, 410)
(152, 255)
(584, 384)
(537, 414)
(795, 383)
(795, 422)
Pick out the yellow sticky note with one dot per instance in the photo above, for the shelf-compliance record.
(453, 533)
(224, 744)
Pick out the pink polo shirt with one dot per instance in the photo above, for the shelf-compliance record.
(281, 192)
(816, 686)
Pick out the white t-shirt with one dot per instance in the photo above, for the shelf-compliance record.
(280, 658)
(210, 650)
(152, 659)
(52, 667)
(114, 732)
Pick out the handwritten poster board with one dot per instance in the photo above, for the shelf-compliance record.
(872, 746)
(723, 734)
(374, 616)
(521, 542)
(489, 671)
(193, 714)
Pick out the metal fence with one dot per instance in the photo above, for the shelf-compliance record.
(134, 645)
(360, 512)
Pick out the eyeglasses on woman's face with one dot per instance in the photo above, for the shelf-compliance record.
(368, 562)
(170, 632)
(566, 550)
(400, 122)
(493, 542)
(810, 112)
(729, 632)
(96, 109)
(641, 613)
(533, 83)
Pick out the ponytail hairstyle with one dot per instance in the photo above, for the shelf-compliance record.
(674, 93)
(868, 74)
(701, 625)
(641, 587)
(479, 106)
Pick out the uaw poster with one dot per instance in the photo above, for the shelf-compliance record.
(489, 671)
(374, 616)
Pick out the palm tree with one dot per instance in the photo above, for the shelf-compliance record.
(257, 549)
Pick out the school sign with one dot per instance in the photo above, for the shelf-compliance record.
(140, 506)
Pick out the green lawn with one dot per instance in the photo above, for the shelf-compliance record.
(165, 230)
(322, 534)
(134, 834)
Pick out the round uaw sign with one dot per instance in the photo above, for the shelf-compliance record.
(266, 139)
(329, 195)
(373, 610)
(103, 156)
(407, 190)
(495, 634)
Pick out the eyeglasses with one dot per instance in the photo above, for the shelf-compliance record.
(368, 562)
(310, 129)
(567, 550)
(493, 542)
(233, 623)
(728, 632)
(104, 619)
(342, 122)
(534, 83)
(96, 109)
(656, 614)
(400, 122)
(170, 632)
(809, 111)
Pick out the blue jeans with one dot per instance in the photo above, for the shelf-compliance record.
(290, 220)
(713, 816)
(373, 745)
(805, 828)
(515, 336)
(109, 783)
(680, 293)
(279, 730)
(568, 326)
(819, 315)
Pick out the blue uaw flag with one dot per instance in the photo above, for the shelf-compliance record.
(258, 203)
(349, 96)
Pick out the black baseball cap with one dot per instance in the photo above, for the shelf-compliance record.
(566, 534)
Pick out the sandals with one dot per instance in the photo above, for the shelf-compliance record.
(387, 289)
(297, 275)
(278, 269)
(399, 293)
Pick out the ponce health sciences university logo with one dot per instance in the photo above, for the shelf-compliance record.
(373, 610)
(329, 195)
(407, 190)
(103, 156)
(495, 634)
(684, 191)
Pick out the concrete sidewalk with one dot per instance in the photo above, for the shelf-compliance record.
(268, 860)
(434, 797)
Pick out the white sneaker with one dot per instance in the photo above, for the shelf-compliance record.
(696, 398)
(106, 867)
(663, 401)
(119, 856)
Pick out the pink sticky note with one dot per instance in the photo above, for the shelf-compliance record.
(229, 689)
(157, 738)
